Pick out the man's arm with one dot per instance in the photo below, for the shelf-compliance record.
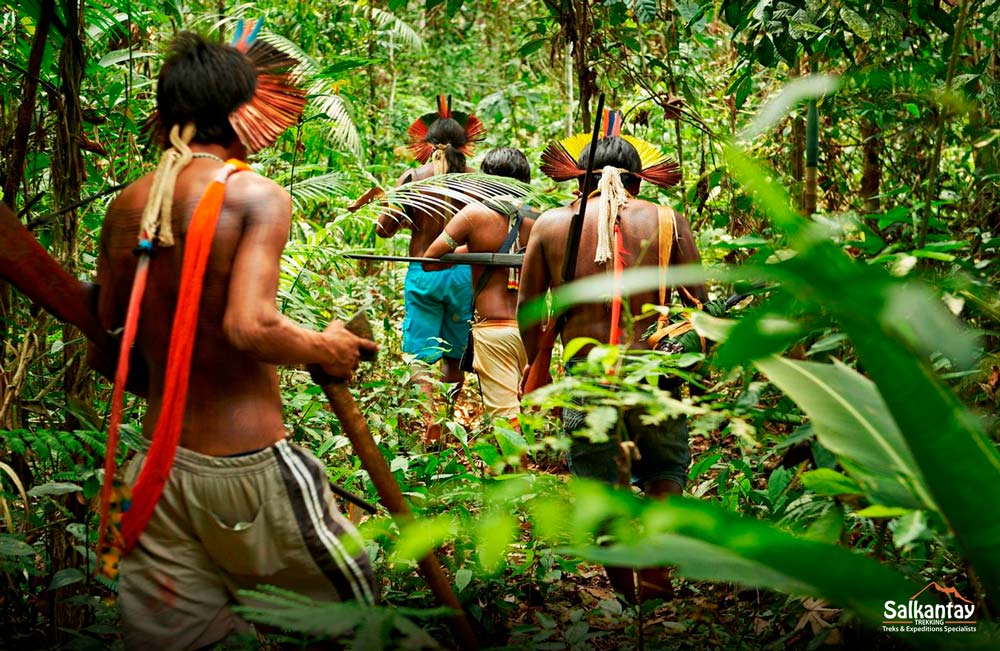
(455, 234)
(535, 281)
(391, 221)
(111, 314)
(252, 321)
(686, 252)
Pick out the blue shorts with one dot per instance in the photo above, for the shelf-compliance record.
(438, 312)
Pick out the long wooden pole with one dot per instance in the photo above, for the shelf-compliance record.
(538, 373)
(481, 259)
(354, 426)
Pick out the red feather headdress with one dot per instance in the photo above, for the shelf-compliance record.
(422, 150)
(559, 160)
(276, 103)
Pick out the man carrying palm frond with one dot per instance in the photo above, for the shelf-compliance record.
(438, 304)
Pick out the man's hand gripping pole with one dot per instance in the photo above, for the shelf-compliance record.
(356, 429)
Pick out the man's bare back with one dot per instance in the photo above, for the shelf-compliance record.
(547, 250)
(234, 401)
(483, 230)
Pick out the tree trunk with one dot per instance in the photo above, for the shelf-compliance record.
(796, 163)
(809, 192)
(586, 77)
(871, 173)
(68, 176)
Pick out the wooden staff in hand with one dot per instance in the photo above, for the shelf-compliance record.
(356, 429)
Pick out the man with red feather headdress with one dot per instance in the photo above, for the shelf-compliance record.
(219, 500)
(438, 304)
(619, 231)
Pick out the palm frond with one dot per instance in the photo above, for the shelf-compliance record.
(396, 27)
(322, 92)
(307, 65)
(320, 188)
(442, 196)
(337, 109)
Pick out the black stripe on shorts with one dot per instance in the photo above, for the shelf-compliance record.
(296, 471)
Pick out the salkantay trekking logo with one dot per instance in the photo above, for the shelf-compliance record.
(956, 616)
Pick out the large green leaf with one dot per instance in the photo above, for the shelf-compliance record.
(960, 465)
(850, 419)
(706, 542)
(290, 611)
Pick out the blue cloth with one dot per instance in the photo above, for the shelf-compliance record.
(438, 308)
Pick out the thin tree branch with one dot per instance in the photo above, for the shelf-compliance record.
(956, 42)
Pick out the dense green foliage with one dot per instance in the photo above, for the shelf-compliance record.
(843, 431)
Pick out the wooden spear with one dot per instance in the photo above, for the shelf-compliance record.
(354, 426)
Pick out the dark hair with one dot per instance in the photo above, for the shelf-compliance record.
(506, 161)
(614, 151)
(203, 82)
(447, 131)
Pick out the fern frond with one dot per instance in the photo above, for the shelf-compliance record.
(92, 440)
(15, 441)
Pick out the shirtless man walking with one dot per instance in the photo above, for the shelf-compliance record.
(664, 453)
(499, 356)
(438, 304)
(242, 505)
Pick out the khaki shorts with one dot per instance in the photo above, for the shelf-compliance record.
(499, 361)
(229, 523)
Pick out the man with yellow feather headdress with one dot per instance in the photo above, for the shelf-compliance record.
(619, 231)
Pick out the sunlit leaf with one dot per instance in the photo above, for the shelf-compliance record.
(795, 91)
(849, 417)
(830, 482)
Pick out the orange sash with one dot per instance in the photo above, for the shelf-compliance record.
(146, 491)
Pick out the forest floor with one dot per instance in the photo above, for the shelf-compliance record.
(582, 611)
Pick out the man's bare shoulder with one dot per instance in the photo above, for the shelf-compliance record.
(134, 195)
(554, 218)
(255, 192)
(478, 214)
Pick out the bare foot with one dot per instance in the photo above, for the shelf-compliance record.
(432, 435)
(654, 583)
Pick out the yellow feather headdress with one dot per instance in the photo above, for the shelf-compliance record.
(559, 160)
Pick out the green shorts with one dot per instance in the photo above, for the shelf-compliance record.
(664, 452)
(229, 523)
